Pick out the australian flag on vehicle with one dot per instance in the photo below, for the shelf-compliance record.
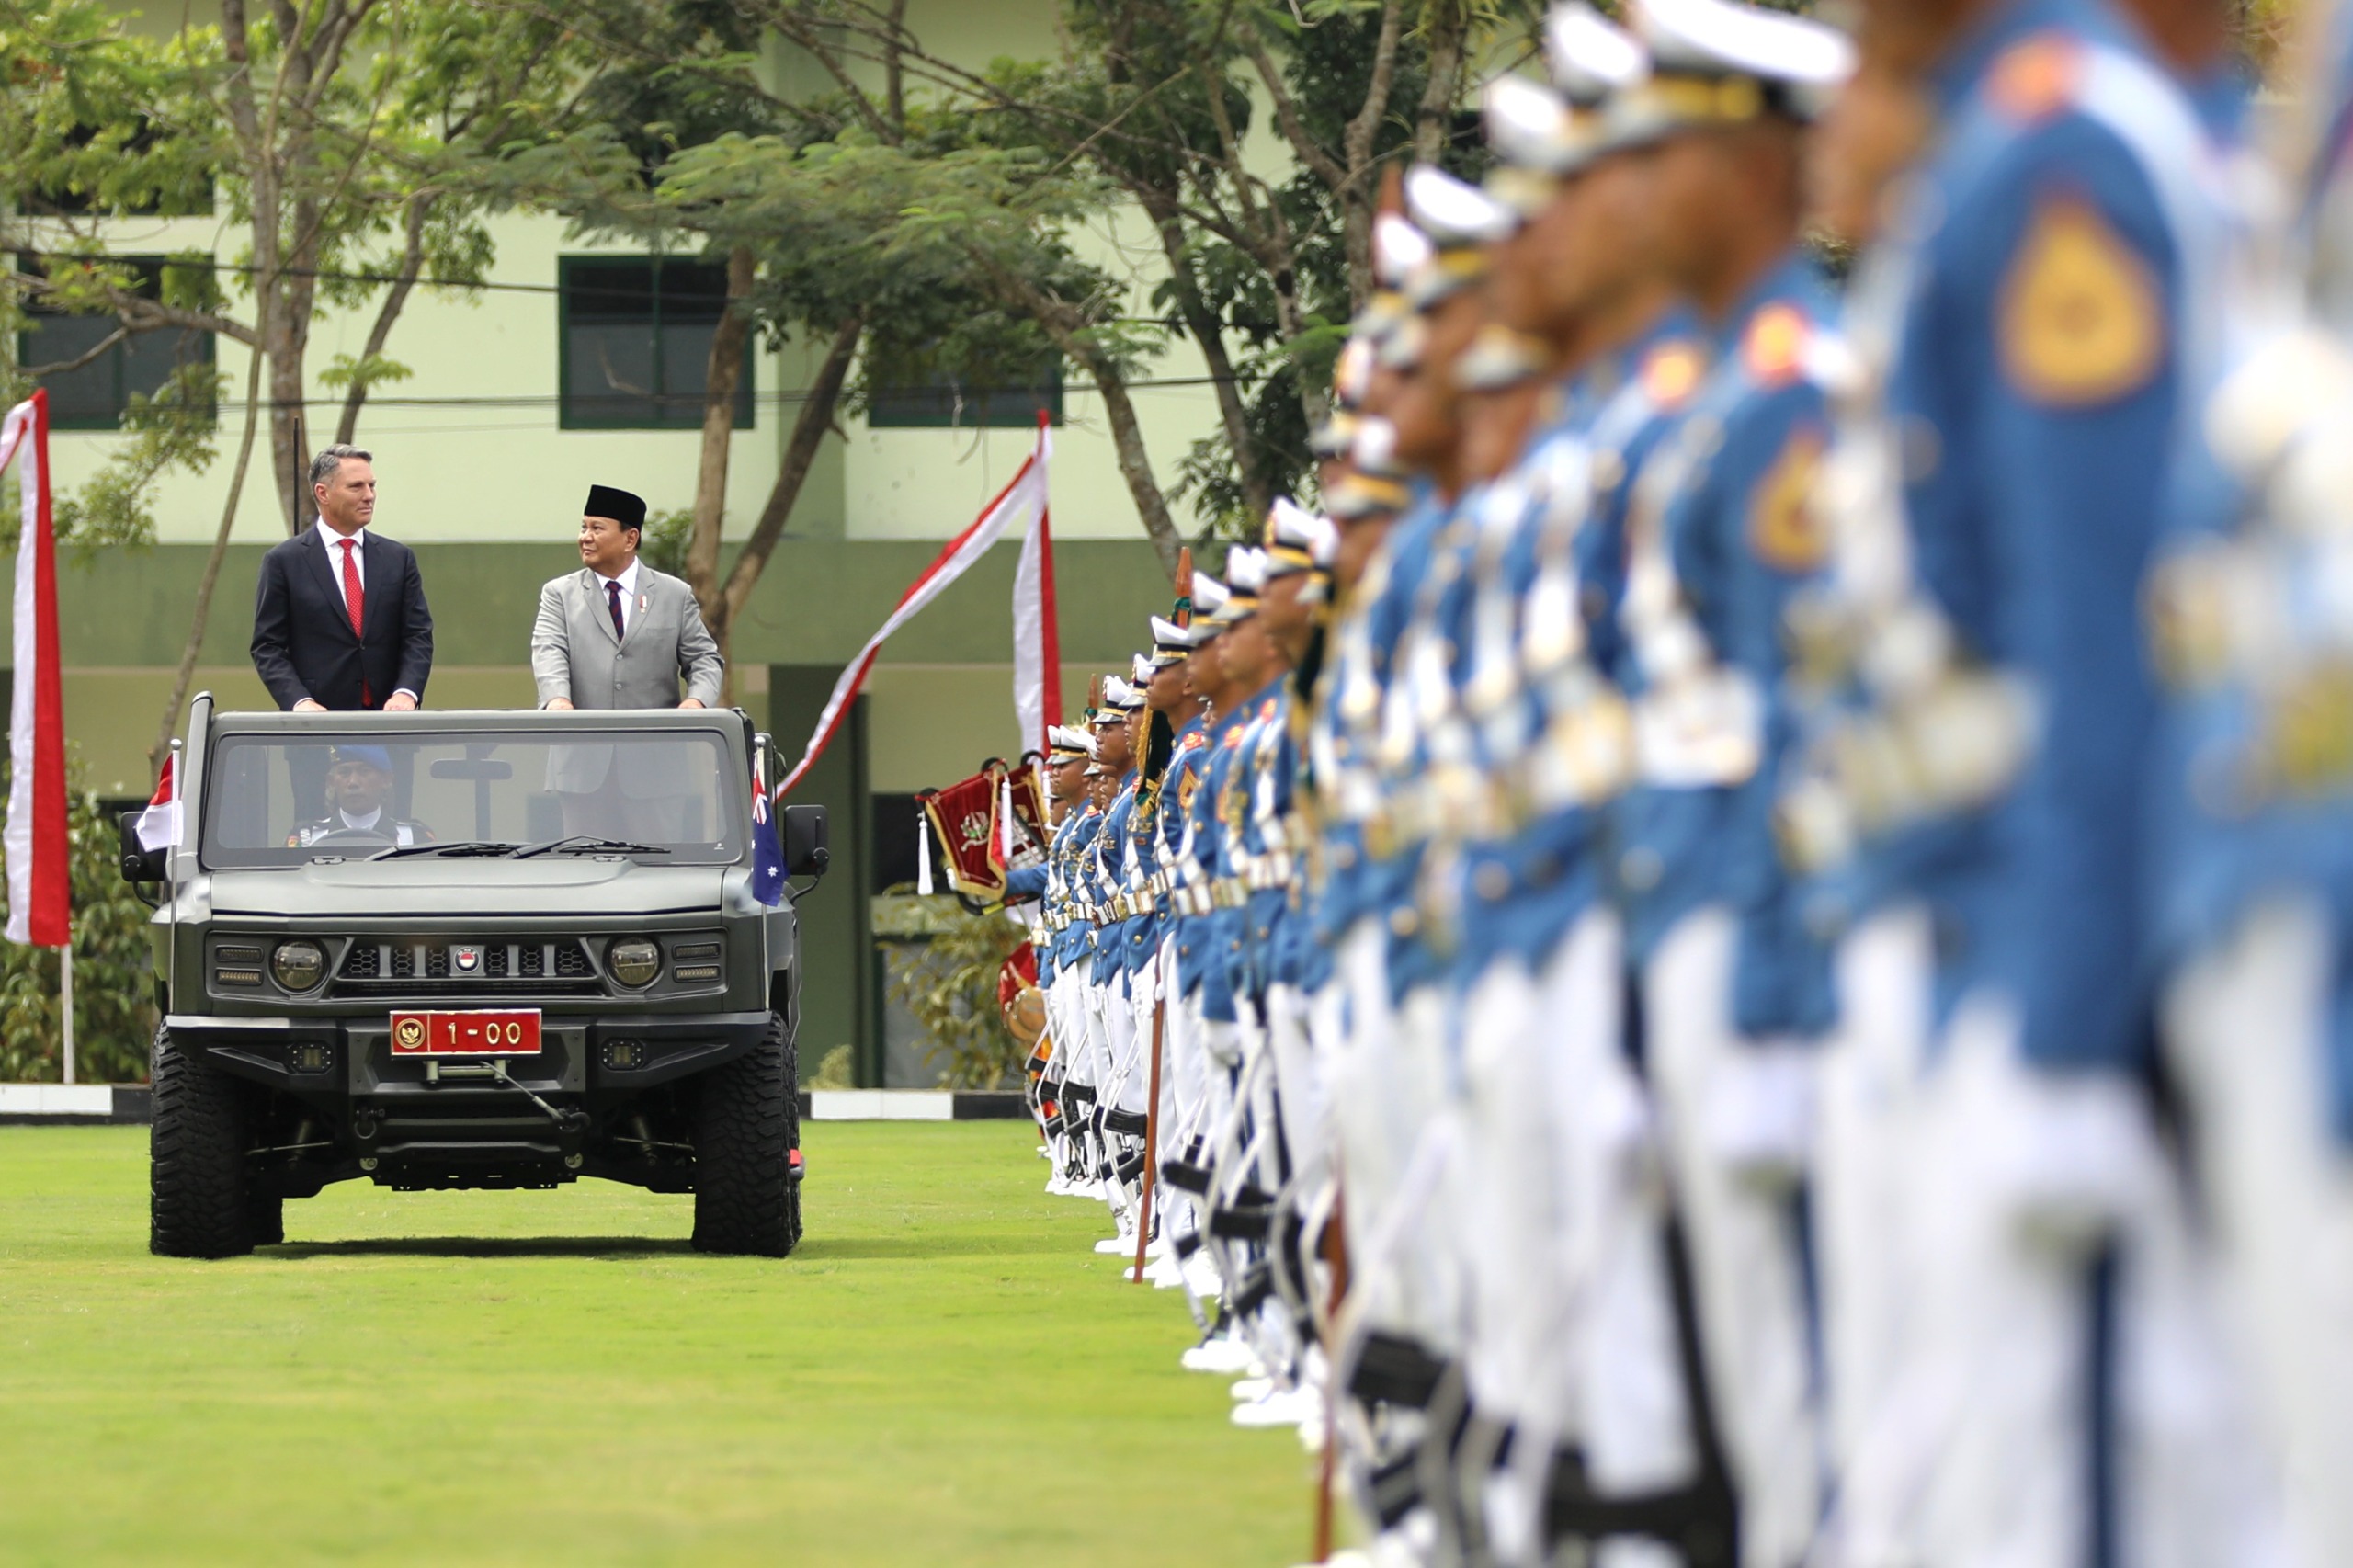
(767, 854)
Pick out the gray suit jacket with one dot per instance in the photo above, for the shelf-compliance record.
(575, 654)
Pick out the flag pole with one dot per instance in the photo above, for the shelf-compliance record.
(1152, 1120)
(66, 988)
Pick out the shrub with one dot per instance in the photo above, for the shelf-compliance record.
(948, 980)
(114, 1005)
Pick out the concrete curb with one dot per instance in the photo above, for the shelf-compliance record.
(76, 1105)
(121, 1105)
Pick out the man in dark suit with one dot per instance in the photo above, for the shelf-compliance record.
(339, 615)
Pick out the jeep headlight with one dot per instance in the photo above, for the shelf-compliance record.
(297, 966)
(634, 962)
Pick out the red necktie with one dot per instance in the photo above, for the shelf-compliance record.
(355, 599)
(613, 603)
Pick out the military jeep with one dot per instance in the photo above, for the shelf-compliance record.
(472, 949)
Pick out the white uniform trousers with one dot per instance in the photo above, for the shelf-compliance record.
(1866, 1155)
(1744, 1249)
(2006, 1349)
(2246, 1028)
(1395, 1144)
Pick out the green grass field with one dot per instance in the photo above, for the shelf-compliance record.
(943, 1374)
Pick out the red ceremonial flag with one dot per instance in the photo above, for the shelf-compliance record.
(39, 893)
(1025, 495)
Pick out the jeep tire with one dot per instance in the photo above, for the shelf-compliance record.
(747, 1123)
(199, 1204)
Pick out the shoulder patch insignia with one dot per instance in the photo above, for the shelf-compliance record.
(2079, 321)
(1773, 348)
(1233, 739)
(1671, 374)
(1783, 527)
(2036, 77)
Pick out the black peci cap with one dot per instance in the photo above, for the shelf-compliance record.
(624, 508)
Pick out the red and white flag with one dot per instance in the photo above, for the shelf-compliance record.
(40, 901)
(1036, 636)
(1023, 498)
(159, 824)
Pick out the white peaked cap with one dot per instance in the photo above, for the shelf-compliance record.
(1722, 37)
(1452, 212)
(1293, 531)
(1376, 447)
(1311, 532)
(1119, 694)
(1065, 737)
(1398, 248)
(1530, 127)
(1166, 633)
(1208, 597)
(1590, 56)
(1247, 568)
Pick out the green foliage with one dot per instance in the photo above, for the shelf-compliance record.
(949, 982)
(113, 1007)
(663, 545)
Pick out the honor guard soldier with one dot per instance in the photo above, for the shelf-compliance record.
(2044, 293)
(1185, 1065)
(1110, 1008)
(1719, 535)
(358, 785)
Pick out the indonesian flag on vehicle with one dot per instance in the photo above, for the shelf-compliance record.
(40, 908)
(159, 824)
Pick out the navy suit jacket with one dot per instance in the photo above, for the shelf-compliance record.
(303, 644)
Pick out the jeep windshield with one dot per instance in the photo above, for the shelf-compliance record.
(668, 796)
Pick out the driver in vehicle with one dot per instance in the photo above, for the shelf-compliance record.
(359, 780)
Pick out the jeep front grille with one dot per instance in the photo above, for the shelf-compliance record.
(406, 967)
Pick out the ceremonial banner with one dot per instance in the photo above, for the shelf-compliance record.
(40, 896)
(1036, 636)
(1022, 839)
(963, 816)
(1023, 498)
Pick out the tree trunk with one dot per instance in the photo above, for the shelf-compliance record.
(205, 584)
(288, 437)
(808, 429)
(722, 375)
(1201, 323)
(1449, 20)
(1062, 322)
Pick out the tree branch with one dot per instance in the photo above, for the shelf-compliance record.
(420, 206)
(808, 429)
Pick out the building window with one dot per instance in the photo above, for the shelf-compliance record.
(942, 401)
(636, 337)
(96, 396)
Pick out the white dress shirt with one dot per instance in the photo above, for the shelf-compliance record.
(627, 580)
(358, 565)
(334, 557)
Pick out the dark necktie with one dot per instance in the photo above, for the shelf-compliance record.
(613, 603)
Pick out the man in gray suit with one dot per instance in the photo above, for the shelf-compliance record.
(618, 634)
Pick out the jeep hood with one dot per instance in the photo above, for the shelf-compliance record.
(466, 888)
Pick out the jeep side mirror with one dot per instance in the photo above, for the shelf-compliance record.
(139, 864)
(805, 854)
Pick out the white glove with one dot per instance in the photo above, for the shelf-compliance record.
(2072, 1154)
(1759, 1111)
